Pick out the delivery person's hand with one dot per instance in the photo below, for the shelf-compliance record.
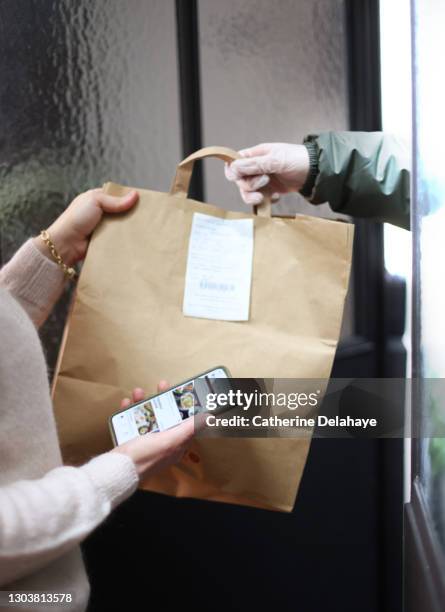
(272, 168)
(71, 231)
(153, 452)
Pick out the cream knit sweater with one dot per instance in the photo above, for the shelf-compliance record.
(45, 509)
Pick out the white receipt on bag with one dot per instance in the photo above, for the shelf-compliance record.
(219, 268)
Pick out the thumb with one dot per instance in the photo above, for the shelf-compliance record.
(180, 434)
(116, 204)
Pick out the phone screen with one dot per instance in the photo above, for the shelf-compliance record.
(164, 410)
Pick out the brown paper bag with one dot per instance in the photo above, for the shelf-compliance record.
(126, 329)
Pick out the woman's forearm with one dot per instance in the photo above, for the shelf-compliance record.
(34, 280)
(41, 519)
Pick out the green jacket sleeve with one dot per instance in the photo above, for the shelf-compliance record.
(362, 174)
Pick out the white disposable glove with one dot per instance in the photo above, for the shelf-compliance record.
(270, 168)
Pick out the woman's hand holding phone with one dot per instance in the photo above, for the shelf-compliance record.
(152, 453)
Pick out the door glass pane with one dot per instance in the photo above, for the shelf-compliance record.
(262, 74)
(89, 94)
(430, 248)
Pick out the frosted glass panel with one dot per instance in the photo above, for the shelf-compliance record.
(89, 94)
(270, 72)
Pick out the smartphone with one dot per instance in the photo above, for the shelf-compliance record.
(166, 409)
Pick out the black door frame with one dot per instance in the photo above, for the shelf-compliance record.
(374, 293)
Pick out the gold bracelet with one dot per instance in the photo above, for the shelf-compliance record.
(69, 272)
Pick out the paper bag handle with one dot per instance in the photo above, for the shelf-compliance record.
(181, 182)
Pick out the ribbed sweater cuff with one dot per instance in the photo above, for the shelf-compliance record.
(312, 148)
(114, 475)
(32, 277)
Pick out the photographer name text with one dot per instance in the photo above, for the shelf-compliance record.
(236, 421)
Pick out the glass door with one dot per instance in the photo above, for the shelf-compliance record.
(425, 512)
